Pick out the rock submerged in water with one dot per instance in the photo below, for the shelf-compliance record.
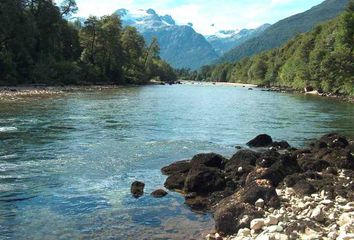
(137, 189)
(258, 184)
(159, 193)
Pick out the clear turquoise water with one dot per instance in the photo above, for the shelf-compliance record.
(67, 162)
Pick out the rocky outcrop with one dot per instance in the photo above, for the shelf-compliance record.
(247, 193)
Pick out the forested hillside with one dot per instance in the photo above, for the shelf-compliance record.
(39, 45)
(282, 31)
(322, 58)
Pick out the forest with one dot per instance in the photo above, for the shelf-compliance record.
(322, 58)
(40, 43)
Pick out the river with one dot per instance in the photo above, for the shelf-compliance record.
(67, 161)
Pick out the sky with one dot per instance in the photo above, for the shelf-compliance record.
(207, 16)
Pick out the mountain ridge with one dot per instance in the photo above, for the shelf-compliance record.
(285, 29)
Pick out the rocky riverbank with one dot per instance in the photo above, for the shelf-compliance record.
(273, 191)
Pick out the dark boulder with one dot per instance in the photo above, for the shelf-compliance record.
(281, 145)
(316, 165)
(204, 180)
(335, 140)
(176, 181)
(262, 140)
(340, 158)
(137, 189)
(197, 203)
(257, 189)
(159, 193)
(286, 165)
(268, 158)
(230, 216)
(209, 160)
(240, 164)
(265, 173)
(242, 158)
(177, 167)
(303, 187)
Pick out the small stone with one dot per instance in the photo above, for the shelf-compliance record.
(326, 202)
(210, 237)
(346, 236)
(271, 220)
(317, 214)
(345, 218)
(244, 232)
(217, 236)
(279, 192)
(332, 235)
(257, 223)
(259, 203)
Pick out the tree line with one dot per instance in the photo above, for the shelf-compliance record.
(39, 45)
(322, 58)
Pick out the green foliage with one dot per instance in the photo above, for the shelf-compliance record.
(284, 30)
(322, 58)
(39, 45)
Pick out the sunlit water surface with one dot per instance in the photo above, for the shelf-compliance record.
(67, 162)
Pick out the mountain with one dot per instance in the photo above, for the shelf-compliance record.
(284, 30)
(180, 45)
(225, 40)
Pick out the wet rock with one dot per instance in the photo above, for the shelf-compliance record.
(177, 167)
(159, 193)
(281, 145)
(176, 181)
(209, 160)
(137, 189)
(264, 173)
(262, 140)
(240, 165)
(268, 158)
(198, 203)
(231, 216)
(335, 140)
(242, 158)
(204, 180)
(316, 165)
(259, 189)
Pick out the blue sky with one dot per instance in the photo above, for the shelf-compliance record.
(223, 14)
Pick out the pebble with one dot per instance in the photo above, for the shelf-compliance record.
(332, 235)
(259, 203)
(346, 236)
(271, 220)
(257, 223)
(317, 214)
(244, 232)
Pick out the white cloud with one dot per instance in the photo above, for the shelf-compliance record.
(224, 14)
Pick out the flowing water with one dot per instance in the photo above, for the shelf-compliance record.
(67, 162)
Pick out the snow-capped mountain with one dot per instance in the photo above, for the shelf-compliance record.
(225, 40)
(180, 45)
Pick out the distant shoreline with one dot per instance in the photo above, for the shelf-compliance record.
(220, 84)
